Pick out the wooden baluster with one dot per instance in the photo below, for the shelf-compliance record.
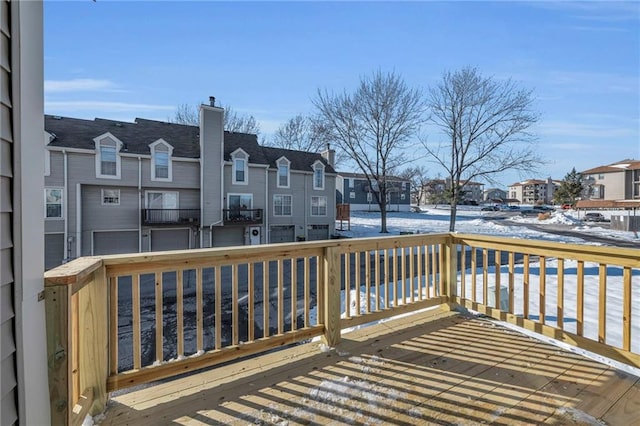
(199, 312)
(560, 301)
(136, 327)
(265, 299)
(626, 309)
(294, 294)
(347, 284)
(367, 284)
(543, 289)
(411, 272)
(498, 263)
(511, 281)
(307, 292)
(580, 299)
(235, 283)
(280, 296)
(602, 307)
(180, 311)
(485, 277)
(218, 306)
(525, 279)
(251, 300)
(159, 319)
(474, 277)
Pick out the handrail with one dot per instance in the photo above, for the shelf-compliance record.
(207, 306)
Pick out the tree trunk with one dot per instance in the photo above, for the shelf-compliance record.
(383, 219)
(452, 217)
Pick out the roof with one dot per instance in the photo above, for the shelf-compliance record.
(607, 204)
(530, 182)
(258, 154)
(136, 136)
(362, 176)
(185, 140)
(628, 164)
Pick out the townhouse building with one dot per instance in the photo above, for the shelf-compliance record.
(534, 191)
(118, 187)
(356, 190)
(495, 195)
(615, 185)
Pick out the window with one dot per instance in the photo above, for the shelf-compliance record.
(282, 205)
(162, 200)
(161, 169)
(318, 175)
(283, 173)
(107, 156)
(53, 203)
(318, 206)
(240, 175)
(369, 197)
(352, 194)
(111, 197)
(351, 182)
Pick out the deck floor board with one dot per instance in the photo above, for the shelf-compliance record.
(431, 368)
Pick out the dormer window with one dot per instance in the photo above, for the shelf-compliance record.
(161, 169)
(108, 156)
(283, 172)
(318, 175)
(240, 169)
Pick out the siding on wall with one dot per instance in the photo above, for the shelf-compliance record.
(8, 410)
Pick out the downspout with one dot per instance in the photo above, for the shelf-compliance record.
(306, 206)
(78, 220)
(67, 243)
(267, 210)
(139, 204)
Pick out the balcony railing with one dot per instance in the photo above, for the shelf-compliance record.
(242, 216)
(123, 320)
(170, 216)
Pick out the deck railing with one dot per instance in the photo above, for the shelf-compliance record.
(122, 320)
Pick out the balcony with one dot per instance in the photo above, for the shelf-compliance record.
(242, 216)
(118, 321)
(152, 217)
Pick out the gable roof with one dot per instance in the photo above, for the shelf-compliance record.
(185, 140)
(619, 166)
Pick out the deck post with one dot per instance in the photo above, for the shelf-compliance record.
(59, 346)
(77, 340)
(332, 287)
(450, 271)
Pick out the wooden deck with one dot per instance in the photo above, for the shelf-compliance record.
(431, 368)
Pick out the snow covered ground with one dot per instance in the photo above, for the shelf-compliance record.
(472, 220)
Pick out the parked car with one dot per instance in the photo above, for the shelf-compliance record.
(594, 217)
(490, 209)
(542, 209)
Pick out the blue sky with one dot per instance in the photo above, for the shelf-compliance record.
(122, 60)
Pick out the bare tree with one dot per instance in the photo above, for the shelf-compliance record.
(233, 122)
(418, 179)
(487, 126)
(186, 114)
(372, 126)
(301, 133)
(304, 133)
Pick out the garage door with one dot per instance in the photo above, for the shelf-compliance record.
(282, 234)
(53, 250)
(169, 239)
(115, 242)
(228, 236)
(318, 232)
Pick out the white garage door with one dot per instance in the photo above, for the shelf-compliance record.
(115, 242)
(282, 234)
(169, 239)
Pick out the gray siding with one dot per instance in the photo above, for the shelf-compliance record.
(360, 190)
(256, 186)
(211, 134)
(24, 396)
(8, 398)
(185, 174)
